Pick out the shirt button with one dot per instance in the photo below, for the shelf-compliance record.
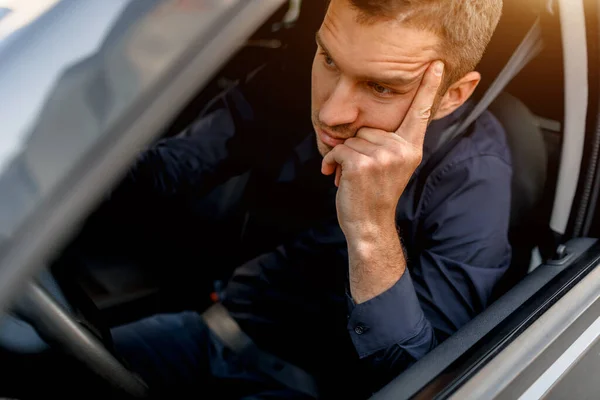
(359, 329)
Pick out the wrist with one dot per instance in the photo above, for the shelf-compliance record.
(376, 246)
(367, 236)
(375, 265)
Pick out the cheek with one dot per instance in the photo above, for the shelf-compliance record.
(386, 116)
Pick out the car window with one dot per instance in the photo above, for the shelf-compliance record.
(88, 80)
(15, 14)
(4, 12)
(28, 42)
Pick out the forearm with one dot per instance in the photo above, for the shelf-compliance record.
(386, 324)
(376, 261)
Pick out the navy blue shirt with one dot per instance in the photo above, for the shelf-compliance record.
(291, 296)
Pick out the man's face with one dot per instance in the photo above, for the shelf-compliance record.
(365, 75)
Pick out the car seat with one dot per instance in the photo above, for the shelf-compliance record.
(529, 160)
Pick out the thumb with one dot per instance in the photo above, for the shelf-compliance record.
(338, 175)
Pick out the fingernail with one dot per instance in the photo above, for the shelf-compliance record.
(438, 68)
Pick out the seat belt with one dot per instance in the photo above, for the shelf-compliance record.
(527, 50)
(229, 332)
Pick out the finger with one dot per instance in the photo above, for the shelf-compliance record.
(337, 156)
(415, 123)
(338, 175)
(377, 136)
(361, 145)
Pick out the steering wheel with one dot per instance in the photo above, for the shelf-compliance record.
(43, 317)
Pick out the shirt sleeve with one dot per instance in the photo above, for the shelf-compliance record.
(211, 150)
(463, 252)
(175, 172)
(229, 138)
(393, 317)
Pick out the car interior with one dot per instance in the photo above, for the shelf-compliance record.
(112, 283)
(530, 111)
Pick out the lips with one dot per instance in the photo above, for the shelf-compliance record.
(328, 139)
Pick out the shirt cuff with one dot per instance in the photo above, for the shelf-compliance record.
(393, 317)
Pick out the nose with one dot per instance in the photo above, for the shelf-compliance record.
(340, 107)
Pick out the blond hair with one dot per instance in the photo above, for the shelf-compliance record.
(464, 26)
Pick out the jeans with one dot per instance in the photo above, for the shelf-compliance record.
(179, 358)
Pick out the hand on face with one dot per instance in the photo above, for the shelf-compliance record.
(373, 168)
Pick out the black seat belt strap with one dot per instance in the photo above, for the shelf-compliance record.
(527, 50)
(229, 332)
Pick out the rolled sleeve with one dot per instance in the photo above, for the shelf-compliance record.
(394, 317)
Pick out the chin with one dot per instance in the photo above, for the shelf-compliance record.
(323, 148)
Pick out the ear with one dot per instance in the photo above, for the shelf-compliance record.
(458, 93)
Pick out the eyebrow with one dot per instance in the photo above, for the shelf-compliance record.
(320, 43)
(397, 81)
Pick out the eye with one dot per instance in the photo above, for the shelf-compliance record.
(328, 60)
(380, 90)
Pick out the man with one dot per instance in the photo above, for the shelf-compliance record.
(352, 307)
